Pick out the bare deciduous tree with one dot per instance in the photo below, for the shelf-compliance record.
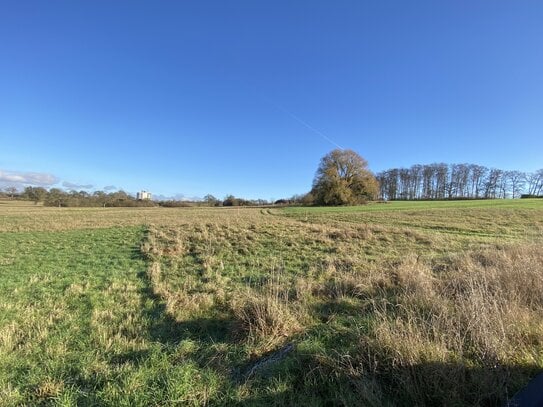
(516, 181)
(11, 191)
(534, 183)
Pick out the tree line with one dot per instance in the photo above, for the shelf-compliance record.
(60, 198)
(342, 178)
(210, 200)
(457, 181)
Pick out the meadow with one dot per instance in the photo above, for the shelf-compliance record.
(392, 304)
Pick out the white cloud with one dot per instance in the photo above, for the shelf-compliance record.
(110, 188)
(18, 178)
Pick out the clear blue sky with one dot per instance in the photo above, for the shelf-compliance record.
(219, 97)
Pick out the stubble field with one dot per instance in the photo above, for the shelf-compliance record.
(406, 303)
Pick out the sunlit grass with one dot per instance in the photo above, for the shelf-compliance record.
(174, 306)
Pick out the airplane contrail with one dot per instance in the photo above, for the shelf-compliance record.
(305, 124)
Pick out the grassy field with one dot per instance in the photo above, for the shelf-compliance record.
(405, 303)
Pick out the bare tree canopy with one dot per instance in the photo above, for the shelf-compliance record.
(343, 178)
(457, 181)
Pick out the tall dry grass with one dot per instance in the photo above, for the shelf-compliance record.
(458, 335)
(424, 328)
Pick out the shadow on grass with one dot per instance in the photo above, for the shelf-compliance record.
(338, 372)
(167, 330)
(337, 365)
(330, 309)
(310, 382)
(456, 384)
(133, 356)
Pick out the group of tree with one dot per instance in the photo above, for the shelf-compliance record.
(60, 198)
(9, 192)
(231, 200)
(342, 178)
(457, 181)
(210, 200)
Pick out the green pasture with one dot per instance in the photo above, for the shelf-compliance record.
(174, 306)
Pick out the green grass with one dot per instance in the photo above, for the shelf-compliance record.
(458, 222)
(173, 306)
(423, 205)
(78, 324)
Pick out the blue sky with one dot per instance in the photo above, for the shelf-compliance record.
(241, 97)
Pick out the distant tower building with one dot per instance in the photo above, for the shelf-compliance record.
(143, 195)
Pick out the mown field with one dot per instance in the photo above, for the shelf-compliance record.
(406, 303)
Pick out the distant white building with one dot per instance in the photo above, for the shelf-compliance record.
(144, 195)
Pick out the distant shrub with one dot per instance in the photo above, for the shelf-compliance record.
(231, 200)
(175, 204)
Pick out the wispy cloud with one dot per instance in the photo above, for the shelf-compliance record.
(19, 178)
(71, 185)
(110, 188)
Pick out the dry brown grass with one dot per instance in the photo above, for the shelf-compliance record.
(462, 334)
(22, 217)
(267, 318)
